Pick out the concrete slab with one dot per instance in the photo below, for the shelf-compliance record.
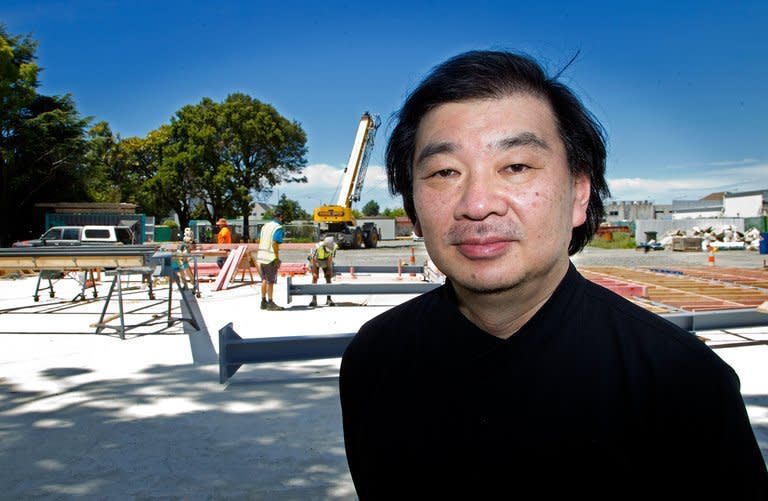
(91, 415)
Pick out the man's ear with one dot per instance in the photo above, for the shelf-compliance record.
(582, 189)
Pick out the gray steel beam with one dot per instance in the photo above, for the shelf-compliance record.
(74, 257)
(718, 319)
(361, 289)
(378, 269)
(78, 250)
(235, 351)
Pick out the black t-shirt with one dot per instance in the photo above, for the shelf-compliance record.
(593, 397)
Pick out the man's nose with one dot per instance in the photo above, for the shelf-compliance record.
(482, 195)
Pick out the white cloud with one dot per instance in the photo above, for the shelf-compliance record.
(696, 185)
(745, 175)
(322, 187)
(716, 164)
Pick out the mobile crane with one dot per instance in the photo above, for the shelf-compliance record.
(337, 220)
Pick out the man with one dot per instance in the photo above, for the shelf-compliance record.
(519, 378)
(268, 257)
(321, 256)
(224, 238)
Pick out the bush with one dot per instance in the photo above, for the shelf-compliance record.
(620, 240)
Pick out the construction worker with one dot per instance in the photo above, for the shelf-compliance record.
(224, 238)
(186, 246)
(268, 257)
(321, 256)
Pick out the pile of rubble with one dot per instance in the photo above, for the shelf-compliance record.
(724, 237)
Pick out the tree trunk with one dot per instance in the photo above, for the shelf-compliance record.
(245, 226)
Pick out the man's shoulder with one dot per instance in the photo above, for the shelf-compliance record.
(404, 320)
(639, 329)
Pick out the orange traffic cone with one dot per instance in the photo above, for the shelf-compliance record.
(711, 258)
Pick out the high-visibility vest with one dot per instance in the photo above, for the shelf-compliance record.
(322, 253)
(266, 253)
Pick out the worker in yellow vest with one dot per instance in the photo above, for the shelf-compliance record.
(321, 256)
(268, 257)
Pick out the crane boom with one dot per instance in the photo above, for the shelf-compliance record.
(338, 219)
(354, 173)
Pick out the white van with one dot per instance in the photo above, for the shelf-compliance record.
(81, 235)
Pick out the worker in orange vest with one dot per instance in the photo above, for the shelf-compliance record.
(224, 238)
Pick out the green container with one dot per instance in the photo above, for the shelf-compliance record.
(760, 222)
(162, 233)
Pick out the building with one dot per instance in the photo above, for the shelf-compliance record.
(259, 209)
(706, 208)
(740, 211)
(621, 211)
(746, 204)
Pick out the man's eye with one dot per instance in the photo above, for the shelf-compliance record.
(444, 173)
(517, 168)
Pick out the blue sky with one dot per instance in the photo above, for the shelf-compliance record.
(680, 87)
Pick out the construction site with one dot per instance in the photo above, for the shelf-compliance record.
(148, 370)
(129, 382)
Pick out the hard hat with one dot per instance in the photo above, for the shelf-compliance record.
(328, 242)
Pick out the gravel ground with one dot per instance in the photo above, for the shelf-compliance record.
(389, 252)
(593, 256)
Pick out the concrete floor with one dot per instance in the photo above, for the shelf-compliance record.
(98, 417)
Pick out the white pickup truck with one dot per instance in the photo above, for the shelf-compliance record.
(81, 235)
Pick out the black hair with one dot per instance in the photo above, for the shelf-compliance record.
(496, 74)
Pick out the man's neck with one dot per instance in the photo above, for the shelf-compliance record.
(504, 313)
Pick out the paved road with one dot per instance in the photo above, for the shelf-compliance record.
(389, 252)
(592, 256)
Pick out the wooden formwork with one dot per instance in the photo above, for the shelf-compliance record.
(686, 291)
(757, 278)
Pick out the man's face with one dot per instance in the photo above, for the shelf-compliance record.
(493, 194)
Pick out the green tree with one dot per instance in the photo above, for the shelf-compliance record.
(47, 163)
(138, 170)
(176, 184)
(234, 150)
(101, 158)
(291, 209)
(153, 181)
(194, 147)
(42, 142)
(397, 212)
(18, 88)
(371, 208)
(262, 148)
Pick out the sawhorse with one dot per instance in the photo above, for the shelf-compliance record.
(146, 272)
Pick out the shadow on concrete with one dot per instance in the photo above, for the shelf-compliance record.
(175, 432)
(760, 429)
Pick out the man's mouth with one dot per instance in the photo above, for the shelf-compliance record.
(484, 248)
